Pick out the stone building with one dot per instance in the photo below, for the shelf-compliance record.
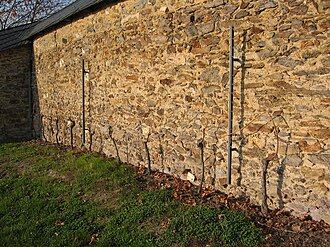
(15, 84)
(156, 90)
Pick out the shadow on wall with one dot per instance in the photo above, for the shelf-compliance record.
(68, 130)
(36, 117)
(242, 139)
(51, 128)
(53, 122)
(281, 168)
(241, 123)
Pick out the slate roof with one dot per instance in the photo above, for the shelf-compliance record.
(63, 14)
(16, 36)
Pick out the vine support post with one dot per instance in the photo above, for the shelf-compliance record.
(83, 101)
(230, 103)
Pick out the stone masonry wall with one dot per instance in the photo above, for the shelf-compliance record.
(15, 118)
(158, 78)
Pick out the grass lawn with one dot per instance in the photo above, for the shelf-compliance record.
(56, 197)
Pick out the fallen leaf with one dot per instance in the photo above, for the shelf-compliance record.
(221, 216)
(94, 239)
(59, 223)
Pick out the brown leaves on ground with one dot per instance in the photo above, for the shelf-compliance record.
(279, 227)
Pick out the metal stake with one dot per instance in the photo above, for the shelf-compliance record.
(230, 103)
(31, 115)
(83, 100)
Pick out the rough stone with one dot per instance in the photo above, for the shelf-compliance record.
(283, 35)
(266, 53)
(211, 89)
(167, 82)
(200, 50)
(284, 27)
(210, 75)
(132, 77)
(312, 172)
(266, 4)
(299, 10)
(229, 9)
(319, 159)
(165, 65)
(319, 188)
(222, 181)
(321, 71)
(297, 207)
(129, 18)
(90, 29)
(260, 127)
(253, 85)
(206, 28)
(191, 177)
(191, 31)
(315, 147)
(15, 120)
(214, 4)
(310, 54)
(256, 30)
(244, 4)
(321, 133)
(289, 62)
(141, 4)
(325, 24)
(320, 214)
(324, 5)
(242, 14)
(326, 61)
(258, 66)
(292, 149)
(293, 160)
(302, 108)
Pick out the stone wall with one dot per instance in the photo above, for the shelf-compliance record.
(15, 114)
(158, 78)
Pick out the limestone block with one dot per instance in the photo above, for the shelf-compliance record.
(289, 62)
(310, 54)
(266, 4)
(321, 133)
(322, 210)
(190, 177)
(129, 18)
(205, 28)
(293, 161)
(326, 61)
(242, 14)
(214, 4)
(298, 207)
(299, 10)
(313, 173)
(210, 75)
(229, 9)
(321, 159)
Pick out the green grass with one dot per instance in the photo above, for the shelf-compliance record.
(53, 197)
